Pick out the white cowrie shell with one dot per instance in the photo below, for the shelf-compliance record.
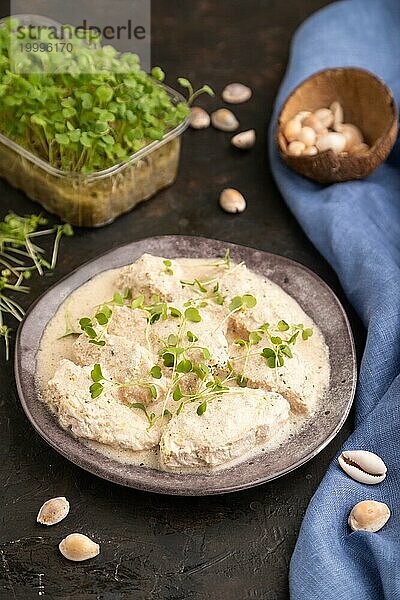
(244, 140)
(236, 93)
(363, 466)
(224, 120)
(78, 547)
(232, 201)
(199, 118)
(53, 511)
(369, 515)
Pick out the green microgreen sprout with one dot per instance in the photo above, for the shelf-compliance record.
(83, 121)
(20, 256)
(205, 89)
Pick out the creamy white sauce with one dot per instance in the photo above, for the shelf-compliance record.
(100, 289)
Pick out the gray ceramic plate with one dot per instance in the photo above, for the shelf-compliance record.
(313, 295)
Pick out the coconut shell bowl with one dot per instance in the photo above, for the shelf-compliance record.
(354, 97)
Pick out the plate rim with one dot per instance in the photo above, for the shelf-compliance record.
(139, 485)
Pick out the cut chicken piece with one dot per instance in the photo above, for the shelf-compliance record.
(150, 276)
(126, 361)
(129, 323)
(103, 419)
(210, 332)
(298, 380)
(233, 425)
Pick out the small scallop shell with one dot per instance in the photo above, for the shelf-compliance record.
(224, 120)
(236, 93)
(232, 201)
(363, 466)
(78, 547)
(53, 511)
(199, 118)
(369, 515)
(244, 140)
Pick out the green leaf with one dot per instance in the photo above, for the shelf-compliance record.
(282, 326)
(235, 303)
(85, 322)
(156, 372)
(175, 312)
(249, 301)
(286, 351)
(254, 338)
(169, 359)
(90, 332)
(241, 380)
(101, 318)
(192, 337)
(96, 389)
(206, 353)
(118, 299)
(97, 342)
(138, 302)
(167, 413)
(96, 373)
(276, 340)
(172, 340)
(62, 138)
(140, 406)
(193, 315)
(158, 73)
(306, 333)
(104, 93)
(153, 391)
(184, 82)
(271, 362)
(201, 409)
(185, 366)
(268, 353)
(177, 394)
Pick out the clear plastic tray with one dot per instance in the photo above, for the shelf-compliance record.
(98, 198)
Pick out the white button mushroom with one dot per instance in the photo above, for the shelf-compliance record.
(296, 148)
(331, 141)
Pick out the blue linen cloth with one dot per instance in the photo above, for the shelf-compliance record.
(356, 226)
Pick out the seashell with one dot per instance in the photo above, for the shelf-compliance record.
(292, 130)
(369, 515)
(224, 120)
(296, 148)
(53, 511)
(363, 466)
(310, 151)
(307, 136)
(324, 116)
(331, 141)
(78, 547)
(236, 93)
(232, 201)
(244, 140)
(338, 116)
(199, 118)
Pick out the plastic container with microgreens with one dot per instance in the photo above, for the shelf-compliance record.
(87, 146)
